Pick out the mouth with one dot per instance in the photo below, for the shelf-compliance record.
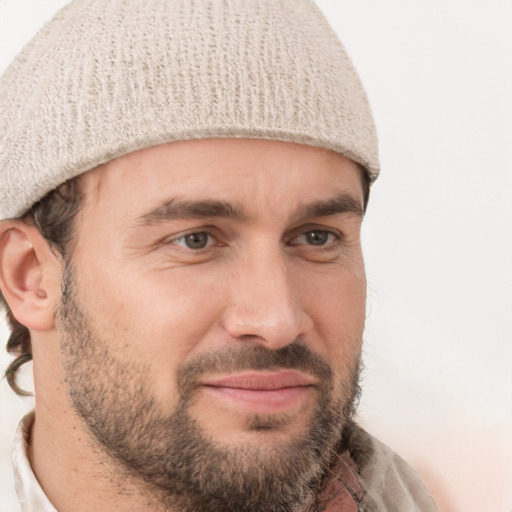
(263, 392)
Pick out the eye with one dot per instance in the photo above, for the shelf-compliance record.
(195, 241)
(317, 237)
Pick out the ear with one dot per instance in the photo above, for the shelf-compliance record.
(29, 275)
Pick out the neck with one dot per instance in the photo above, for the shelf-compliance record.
(73, 470)
(77, 476)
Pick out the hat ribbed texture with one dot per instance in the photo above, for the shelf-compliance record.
(107, 77)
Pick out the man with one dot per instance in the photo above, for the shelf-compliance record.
(183, 186)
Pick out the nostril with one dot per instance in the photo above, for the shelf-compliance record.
(273, 328)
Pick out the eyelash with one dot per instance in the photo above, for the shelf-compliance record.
(335, 239)
(186, 235)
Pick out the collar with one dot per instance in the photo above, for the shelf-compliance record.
(31, 496)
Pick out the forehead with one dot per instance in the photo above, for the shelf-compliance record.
(247, 171)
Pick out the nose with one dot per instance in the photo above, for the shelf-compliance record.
(265, 305)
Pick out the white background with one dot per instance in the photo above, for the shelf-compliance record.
(438, 238)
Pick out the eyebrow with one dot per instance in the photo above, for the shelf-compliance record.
(177, 209)
(343, 203)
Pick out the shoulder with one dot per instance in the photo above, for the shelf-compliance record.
(388, 482)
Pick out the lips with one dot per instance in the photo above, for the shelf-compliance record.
(262, 391)
(263, 380)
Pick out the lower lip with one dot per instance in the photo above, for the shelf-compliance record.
(264, 401)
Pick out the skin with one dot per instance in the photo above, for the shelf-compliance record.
(261, 280)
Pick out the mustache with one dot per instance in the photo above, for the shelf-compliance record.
(296, 356)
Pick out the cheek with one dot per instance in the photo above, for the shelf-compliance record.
(157, 319)
(336, 302)
(342, 313)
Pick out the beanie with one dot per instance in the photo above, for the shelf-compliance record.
(107, 77)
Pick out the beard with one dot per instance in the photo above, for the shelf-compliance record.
(170, 454)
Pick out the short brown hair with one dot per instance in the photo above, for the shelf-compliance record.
(53, 216)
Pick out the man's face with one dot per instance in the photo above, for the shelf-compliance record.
(213, 315)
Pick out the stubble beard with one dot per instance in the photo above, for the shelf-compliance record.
(172, 457)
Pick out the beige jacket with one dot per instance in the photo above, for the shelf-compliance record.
(387, 482)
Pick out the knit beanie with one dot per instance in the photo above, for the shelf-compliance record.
(107, 77)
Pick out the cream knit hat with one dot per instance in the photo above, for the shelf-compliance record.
(107, 77)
